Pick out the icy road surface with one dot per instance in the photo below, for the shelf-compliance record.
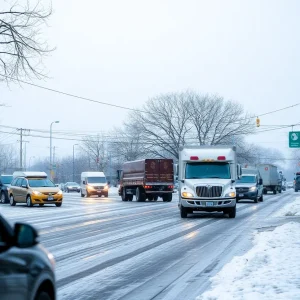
(109, 249)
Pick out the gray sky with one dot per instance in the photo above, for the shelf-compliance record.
(124, 52)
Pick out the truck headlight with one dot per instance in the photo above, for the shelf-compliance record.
(187, 195)
(231, 195)
(252, 189)
(89, 187)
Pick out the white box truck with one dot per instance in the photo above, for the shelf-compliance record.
(207, 176)
(271, 178)
(93, 183)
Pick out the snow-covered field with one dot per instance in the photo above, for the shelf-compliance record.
(270, 270)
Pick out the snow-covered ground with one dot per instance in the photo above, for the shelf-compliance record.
(291, 209)
(270, 270)
(113, 191)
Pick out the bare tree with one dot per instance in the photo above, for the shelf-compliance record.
(96, 150)
(21, 45)
(172, 120)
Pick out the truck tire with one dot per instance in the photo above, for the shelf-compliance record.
(232, 212)
(183, 212)
(167, 197)
(140, 195)
(280, 190)
(124, 195)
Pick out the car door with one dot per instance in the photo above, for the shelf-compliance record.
(23, 190)
(16, 189)
(13, 269)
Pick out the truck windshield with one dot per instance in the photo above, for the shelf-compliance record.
(96, 180)
(201, 170)
(247, 179)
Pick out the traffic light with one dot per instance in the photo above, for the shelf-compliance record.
(257, 122)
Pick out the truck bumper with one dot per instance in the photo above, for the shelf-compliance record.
(208, 204)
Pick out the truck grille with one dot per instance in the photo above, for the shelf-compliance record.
(209, 191)
(98, 187)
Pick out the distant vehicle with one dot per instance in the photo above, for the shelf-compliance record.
(72, 187)
(26, 268)
(207, 176)
(290, 185)
(93, 183)
(271, 179)
(250, 185)
(5, 181)
(34, 188)
(147, 179)
(297, 182)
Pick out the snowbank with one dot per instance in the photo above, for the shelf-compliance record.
(270, 270)
(290, 209)
(113, 191)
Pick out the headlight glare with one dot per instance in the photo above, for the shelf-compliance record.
(231, 194)
(37, 193)
(187, 195)
(252, 189)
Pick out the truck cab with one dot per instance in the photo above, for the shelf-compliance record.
(207, 176)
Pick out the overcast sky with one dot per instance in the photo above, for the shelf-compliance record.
(124, 52)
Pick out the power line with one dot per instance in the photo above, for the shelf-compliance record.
(128, 108)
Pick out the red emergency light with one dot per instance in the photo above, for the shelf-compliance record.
(221, 158)
(194, 158)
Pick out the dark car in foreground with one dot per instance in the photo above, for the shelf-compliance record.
(72, 187)
(5, 181)
(26, 267)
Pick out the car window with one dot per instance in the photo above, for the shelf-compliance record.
(13, 183)
(24, 182)
(19, 181)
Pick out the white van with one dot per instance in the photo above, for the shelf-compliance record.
(93, 183)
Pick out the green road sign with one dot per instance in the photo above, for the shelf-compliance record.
(294, 139)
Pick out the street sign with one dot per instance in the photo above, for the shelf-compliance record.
(294, 139)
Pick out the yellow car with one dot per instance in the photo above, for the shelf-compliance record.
(34, 188)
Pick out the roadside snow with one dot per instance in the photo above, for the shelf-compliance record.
(290, 209)
(113, 191)
(270, 270)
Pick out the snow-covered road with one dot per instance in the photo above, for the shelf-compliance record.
(109, 249)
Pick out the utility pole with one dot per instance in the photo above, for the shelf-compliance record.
(22, 131)
(25, 158)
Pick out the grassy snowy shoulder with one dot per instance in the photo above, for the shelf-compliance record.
(290, 209)
(270, 270)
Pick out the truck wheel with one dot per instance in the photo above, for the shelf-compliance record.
(124, 196)
(183, 212)
(82, 195)
(167, 197)
(232, 212)
(140, 196)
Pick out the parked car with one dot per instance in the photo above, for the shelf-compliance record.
(72, 187)
(26, 268)
(5, 181)
(34, 188)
